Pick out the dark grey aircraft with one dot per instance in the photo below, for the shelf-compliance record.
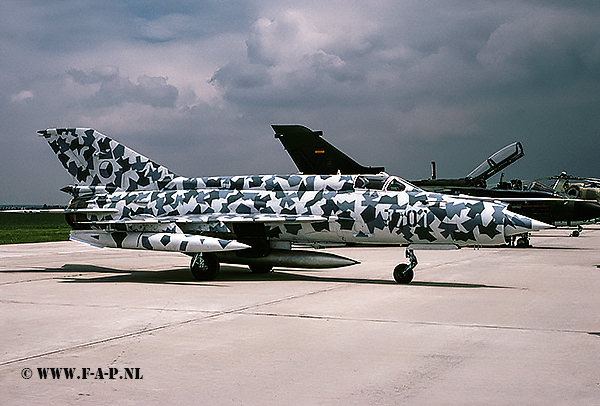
(121, 199)
(313, 154)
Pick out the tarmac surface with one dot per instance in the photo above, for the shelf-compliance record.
(495, 326)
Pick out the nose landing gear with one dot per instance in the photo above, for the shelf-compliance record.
(404, 273)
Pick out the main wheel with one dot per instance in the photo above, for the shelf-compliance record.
(255, 268)
(523, 242)
(401, 275)
(204, 266)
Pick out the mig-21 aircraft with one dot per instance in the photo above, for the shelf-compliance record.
(121, 199)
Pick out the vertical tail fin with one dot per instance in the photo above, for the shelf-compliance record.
(93, 159)
(312, 154)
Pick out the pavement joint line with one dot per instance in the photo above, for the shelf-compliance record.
(100, 306)
(164, 327)
(425, 323)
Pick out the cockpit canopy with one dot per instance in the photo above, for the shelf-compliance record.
(382, 181)
(498, 161)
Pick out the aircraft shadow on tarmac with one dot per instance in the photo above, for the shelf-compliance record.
(89, 274)
(553, 248)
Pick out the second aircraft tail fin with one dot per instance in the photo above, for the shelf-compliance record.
(312, 154)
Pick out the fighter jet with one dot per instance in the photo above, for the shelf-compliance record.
(313, 154)
(121, 199)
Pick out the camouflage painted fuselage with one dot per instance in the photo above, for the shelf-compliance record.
(124, 195)
(302, 209)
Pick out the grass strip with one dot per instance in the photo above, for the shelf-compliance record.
(16, 228)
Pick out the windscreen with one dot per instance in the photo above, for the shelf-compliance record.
(374, 182)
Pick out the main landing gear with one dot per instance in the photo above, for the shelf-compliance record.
(519, 240)
(404, 273)
(204, 266)
(576, 233)
(523, 241)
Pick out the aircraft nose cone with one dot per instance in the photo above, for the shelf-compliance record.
(518, 224)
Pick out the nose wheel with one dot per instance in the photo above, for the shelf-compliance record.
(404, 273)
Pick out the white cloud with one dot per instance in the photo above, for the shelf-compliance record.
(284, 41)
(22, 96)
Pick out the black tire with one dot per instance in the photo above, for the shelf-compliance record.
(205, 266)
(255, 268)
(522, 243)
(401, 276)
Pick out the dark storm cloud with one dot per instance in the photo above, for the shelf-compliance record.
(286, 66)
(460, 78)
(241, 76)
(115, 90)
(195, 85)
(472, 56)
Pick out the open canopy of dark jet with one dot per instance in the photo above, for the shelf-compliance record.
(477, 177)
(312, 154)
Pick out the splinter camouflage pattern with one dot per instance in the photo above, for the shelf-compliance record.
(133, 198)
(122, 199)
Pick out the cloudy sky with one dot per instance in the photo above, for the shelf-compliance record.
(195, 85)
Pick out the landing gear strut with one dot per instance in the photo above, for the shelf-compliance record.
(204, 266)
(404, 273)
(519, 241)
(523, 241)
